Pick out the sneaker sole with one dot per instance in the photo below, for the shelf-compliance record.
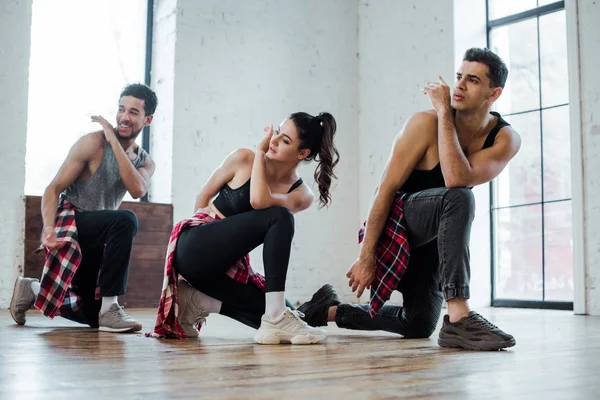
(134, 328)
(483, 346)
(274, 337)
(15, 296)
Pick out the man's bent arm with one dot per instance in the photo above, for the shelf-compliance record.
(478, 168)
(409, 148)
(79, 156)
(135, 181)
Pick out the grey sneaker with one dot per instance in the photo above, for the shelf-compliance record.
(474, 332)
(190, 313)
(117, 320)
(22, 299)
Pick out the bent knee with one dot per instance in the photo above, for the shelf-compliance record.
(420, 329)
(461, 198)
(282, 215)
(128, 220)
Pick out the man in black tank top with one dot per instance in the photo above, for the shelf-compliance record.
(87, 240)
(436, 158)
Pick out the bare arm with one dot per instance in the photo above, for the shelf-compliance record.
(262, 197)
(223, 174)
(136, 181)
(478, 168)
(260, 194)
(82, 152)
(409, 148)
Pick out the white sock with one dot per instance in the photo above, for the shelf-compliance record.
(209, 304)
(107, 302)
(275, 304)
(35, 287)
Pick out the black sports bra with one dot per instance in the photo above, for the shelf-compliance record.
(421, 179)
(235, 201)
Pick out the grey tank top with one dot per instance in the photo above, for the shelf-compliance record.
(104, 190)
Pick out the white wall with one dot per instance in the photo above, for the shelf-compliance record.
(402, 45)
(15, 27)
(467, 35)
(163, 80)
(242, 65)
(589, 59)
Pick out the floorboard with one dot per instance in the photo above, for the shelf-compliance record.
(557, 357)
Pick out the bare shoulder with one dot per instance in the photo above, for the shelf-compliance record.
(242, 155)
(425, 119)
(238, 158)
(89, 145)
(420, 126)
(306, 190)
(305, 195)
(508, 137)
(149, 164)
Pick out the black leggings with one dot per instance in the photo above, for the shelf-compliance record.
(204, 253)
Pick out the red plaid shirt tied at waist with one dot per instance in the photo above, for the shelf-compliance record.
(391, 255)
(167, 324)
(56, 296)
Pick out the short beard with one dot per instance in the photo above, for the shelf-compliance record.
(133, 135)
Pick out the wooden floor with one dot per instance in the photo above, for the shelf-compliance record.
(557, 357)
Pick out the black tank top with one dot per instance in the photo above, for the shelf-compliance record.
(421, 179)
(236, 201)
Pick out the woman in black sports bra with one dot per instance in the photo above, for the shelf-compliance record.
(257, 194)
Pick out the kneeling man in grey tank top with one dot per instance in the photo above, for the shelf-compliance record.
(86, 239)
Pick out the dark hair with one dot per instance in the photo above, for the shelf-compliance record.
(497, 71)
(142, 92)
(316, 134)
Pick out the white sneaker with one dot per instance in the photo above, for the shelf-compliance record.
(190, 312)
(288, 328)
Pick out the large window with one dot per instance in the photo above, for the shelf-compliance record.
(531, 199)
(83, 52)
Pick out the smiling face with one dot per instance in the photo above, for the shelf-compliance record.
(472, 88)
(285, 144)
(131, 118)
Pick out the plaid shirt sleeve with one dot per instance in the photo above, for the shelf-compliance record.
(55, 296)
(391, 256)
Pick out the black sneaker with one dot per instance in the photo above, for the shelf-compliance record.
(474, 332)
(316, 309)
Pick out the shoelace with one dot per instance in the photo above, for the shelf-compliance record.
(299, 315)
(481, 322)
(199, 321)
(200, 318)
(121, 311)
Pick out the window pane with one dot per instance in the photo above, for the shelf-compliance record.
(546, 2)
(518, 251)
(559, 251)
(553, 62)
(521, 181)
(517, 45)
(557, 153)
(502, 8)
(82, 54)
